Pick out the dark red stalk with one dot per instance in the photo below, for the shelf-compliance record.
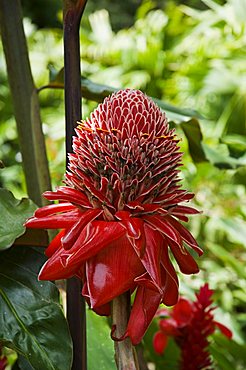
(72, 13)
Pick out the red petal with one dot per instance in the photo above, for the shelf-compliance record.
(112, 272)
(94, 237)
(144, 308)
(181, 217)
(170, 281)
(104, 310)
(153, 208)
(151, 257)
(185, 235)
(159, 342)
(133, 227)
(145, 281)
(162, 224)
(122, 215)
(51, 209)
(60, 221)
(96, 192)
(224, 330)
(185, 210)
(186, 262)
(72, 235)
(169, 327)
(66, 193)
(135, 232)
(183, 312)
(55, 244)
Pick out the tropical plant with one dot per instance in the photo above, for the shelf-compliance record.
(191, 62)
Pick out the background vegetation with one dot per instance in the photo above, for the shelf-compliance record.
(190, 54)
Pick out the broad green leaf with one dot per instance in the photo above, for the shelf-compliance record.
(13, 213)
(23, 363)
(236, 123)
(220, 157)
(98, 92)
(193, 134)
(236, 144)
(100, 347)
(31, 319)
(187, 117)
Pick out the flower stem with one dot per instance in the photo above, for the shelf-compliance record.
(72, 13)
(125, 353)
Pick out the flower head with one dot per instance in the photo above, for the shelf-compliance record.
(190, 323)
(120, 209)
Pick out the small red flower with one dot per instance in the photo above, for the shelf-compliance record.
(120, 209)
(190, 323)
(3, 363)
(3, 360)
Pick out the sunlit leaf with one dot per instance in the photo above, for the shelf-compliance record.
(235, 228)
(228, 354)
(228, 259)
(100, 347)
(13, 213)
(220, 157)
(236, 144)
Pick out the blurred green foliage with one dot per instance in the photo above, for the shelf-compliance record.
(193, 57)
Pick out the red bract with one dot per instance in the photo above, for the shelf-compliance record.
(191, 323)
(3, 360)
(3, 363)
(120, 209)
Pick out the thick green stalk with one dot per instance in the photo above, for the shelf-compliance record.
(25, 100)
(125, 353)
(72, 13)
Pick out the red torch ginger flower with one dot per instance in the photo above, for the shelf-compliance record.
(190, 323)
(120, 209)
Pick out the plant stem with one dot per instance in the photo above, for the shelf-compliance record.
(25, 101)
(125, 354)
(72, 13)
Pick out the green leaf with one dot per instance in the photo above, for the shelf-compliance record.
(23, 364)
(13, 213)
(228, 259)
(98, 92)
(235, 228)
(236, 144)
(100, 346)
(193, 134)
(228, 353)
(31, 319)
(219, 156)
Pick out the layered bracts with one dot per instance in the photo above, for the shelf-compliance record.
(120, 210)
